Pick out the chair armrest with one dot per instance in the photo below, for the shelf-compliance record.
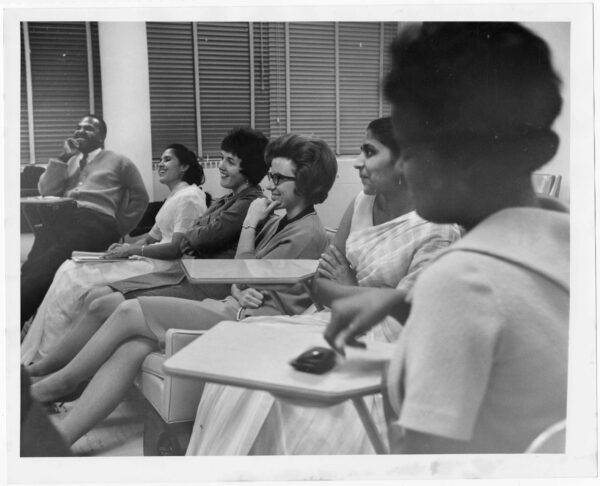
(176, 339)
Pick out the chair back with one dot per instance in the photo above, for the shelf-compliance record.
(148, 219)
(550, 441)
(30, 175)
(546, 184)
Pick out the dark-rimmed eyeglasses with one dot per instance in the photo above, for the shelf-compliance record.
(277, 179)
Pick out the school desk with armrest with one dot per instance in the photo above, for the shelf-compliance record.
(257, 355)
(41, 211)
(176, 399)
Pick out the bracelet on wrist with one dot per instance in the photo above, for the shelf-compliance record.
(248, 226)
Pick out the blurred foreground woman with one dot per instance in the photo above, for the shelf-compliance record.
(481, 366)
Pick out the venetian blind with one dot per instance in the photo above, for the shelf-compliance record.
(24, 115)
(171, 72)
(59, 83)
(277, 80)
(97, 109)
(389, 34)
(359, 81)
(224, 80)
(261, 76)
(312, 79)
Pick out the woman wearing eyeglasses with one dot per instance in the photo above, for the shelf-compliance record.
(301, 172)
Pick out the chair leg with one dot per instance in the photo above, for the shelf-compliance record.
(163, 439)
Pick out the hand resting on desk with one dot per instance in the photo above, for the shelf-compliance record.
(355, 315)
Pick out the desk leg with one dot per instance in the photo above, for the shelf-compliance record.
(370, 427)
(307, 287)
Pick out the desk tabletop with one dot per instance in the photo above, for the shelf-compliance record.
(46, 200)
(249, 271)
(256, 355)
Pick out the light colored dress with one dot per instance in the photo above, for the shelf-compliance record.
(237, 421)
(484, 355)
(65, 297)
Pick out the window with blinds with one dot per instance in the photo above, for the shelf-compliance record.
(278, 116)
(172, 88)
(390, 31)
(262, 86)
(359, 59)
(301, 76)
(97, 78)
(223, 79)
(60, 84)
(24, 113)
(59, 78)
(312, 79)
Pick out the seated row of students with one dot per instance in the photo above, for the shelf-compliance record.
(214, 234)
(481, 359)
(304, 170)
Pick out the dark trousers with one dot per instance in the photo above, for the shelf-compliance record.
(62, 232)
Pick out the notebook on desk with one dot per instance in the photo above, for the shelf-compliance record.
(93, 256)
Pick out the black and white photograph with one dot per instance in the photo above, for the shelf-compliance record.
(304, 242)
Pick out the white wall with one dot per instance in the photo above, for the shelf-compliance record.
(126, 93)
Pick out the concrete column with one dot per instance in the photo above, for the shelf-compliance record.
(126, 93)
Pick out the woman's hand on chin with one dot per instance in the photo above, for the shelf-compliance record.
(259, 210)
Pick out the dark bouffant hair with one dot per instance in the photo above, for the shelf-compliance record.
(315, 163)
(475, 91)
(195, 173)
(383, 131)
(249, 145)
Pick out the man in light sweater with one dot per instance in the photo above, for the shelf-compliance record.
(110, 199)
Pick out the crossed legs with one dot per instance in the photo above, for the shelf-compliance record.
(115, 353)
(100, 303)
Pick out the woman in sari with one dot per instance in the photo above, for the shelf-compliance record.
(381, 242)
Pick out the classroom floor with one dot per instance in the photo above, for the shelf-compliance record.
(120, 434)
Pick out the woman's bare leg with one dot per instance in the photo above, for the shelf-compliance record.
(100, 304)
(126, 322)
(106, 390)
